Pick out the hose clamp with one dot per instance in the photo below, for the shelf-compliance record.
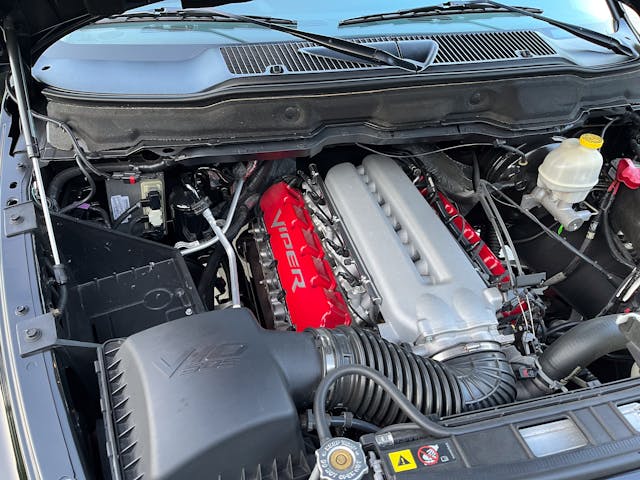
(325, 344)
(465, 349)
(335, 348)
(551, 383)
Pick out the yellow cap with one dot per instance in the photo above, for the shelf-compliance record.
(591, 140)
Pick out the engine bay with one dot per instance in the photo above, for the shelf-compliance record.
(285, 306)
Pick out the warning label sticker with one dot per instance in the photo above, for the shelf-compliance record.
(421, 456)
(402, 460)
(433, 454)
(428, 454)
(119, 205)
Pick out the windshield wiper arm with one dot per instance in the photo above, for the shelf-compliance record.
(592, 36)
(358, 50)
(184, 15)
(447, 8)
(587, 34)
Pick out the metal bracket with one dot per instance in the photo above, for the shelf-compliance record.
(19, 219)
(530, 280)
(39, 334)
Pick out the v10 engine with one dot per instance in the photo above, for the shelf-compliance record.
(365, 245)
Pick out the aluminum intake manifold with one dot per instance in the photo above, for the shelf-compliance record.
(430, 294)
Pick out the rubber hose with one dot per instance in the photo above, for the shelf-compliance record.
(571, 267)
(421, 421)
(103, 214)
(216, 257)
(393, 393)
(87, 198)
(57, 183)
(255, 184)
(63, 298)
(258, 179)
(477, 380)
(205, 285)
(354, 423)
(126, 214)
(513, 150)
(591, 233)
(581, 346)
(485, 378)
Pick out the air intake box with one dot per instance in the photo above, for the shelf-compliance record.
(206, 396)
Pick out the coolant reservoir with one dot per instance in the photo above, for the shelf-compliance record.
(566, 177)
(572, 170)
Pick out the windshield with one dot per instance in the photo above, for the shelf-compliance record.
(324, 17)
(145, 55)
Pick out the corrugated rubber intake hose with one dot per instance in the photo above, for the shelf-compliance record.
(476, 380)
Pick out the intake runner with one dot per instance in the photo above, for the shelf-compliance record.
(431, 295)
(311, 295)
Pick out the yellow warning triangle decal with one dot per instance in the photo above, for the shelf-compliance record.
(402, 460)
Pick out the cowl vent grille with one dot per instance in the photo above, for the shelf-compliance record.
(454, 49)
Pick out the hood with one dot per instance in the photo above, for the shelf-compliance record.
(42, 22)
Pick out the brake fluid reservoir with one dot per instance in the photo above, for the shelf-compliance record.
(572, 170)
(566, 177)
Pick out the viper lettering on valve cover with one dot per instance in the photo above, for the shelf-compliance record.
(292, 258)
(311, 292)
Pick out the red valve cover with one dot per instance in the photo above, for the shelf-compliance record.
(484, 252)
(309, 284)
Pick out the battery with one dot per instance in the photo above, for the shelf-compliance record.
(125, 191)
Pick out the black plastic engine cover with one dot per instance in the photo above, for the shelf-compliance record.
(206, 397)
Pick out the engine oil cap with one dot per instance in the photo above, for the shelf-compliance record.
(341, 459)
(591, 140)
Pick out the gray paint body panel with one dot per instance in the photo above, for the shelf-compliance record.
(30, 385)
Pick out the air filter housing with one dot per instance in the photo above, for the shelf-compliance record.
(186, 400)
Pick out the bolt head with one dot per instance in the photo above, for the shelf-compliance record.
(21, 309)
(15, 218)
(188, 311)
(32, 334)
